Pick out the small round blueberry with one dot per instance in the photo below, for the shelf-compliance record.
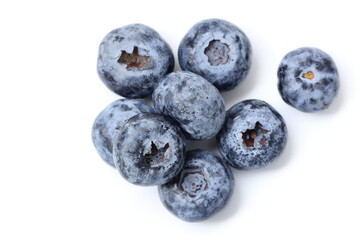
(107, 124)
(132, 59)
(308, 79)
(149, 149)
(193, 102)
(202, 188)
(218, 51)
(254, 134)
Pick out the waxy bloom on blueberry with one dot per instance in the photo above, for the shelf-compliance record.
(308, 79)
(193, 102)
(149, 149)
(218, 51)
(254, 134)
(132, 59)
(202, 188)
(107, 124)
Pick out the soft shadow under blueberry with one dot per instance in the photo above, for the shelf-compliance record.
(233, 206)
(235, 202)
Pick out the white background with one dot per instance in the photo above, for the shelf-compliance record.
(53, 185)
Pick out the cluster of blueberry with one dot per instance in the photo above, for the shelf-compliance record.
(147, 145)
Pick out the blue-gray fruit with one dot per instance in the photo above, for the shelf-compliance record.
(254, 134)
(107, 124)
(149, 149)
(308, 79)
(132, 59)
(193, 102)
(202, 188)
(218, 51)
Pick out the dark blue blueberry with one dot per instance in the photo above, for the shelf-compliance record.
(107, 124)
(149, 149)
(202, 188)
(132, 59)
(308, 79)
(194, 103)
(218, 51)
(253, 135)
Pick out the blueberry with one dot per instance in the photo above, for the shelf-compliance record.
(191, 101)
(107, 124)
(149, 149)
(202, 188)
(253, 135)
(132, 59)
(218, 51)
(308, 79)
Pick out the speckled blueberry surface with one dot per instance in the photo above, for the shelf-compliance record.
(308, 79)
(193, 102)
(107, 124)
(149, 149)
(253, 135)
(217, 50)
(132, 59)
(202, 188)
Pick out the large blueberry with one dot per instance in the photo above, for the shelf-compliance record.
(149, 149)
(193, 102)
(202, 188)
(132, 59)
(217, 50)
(253, 135)
(107, 124)
(308, 79)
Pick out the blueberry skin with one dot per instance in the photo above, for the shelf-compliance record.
(193, 102)
(254, 134)
(218, 51)
(132, 59)
(149, 150)
(107, 124)
(203, 187)
(308, 79)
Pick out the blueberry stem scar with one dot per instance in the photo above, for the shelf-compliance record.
(217, 53)
(133, 60)
(309, 75)
(197, 185)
